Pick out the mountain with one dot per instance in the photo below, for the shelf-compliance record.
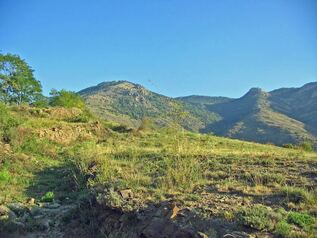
(129, 103)
(286, 115)
(254, 117)
(205, 100)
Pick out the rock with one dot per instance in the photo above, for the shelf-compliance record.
(159, 228)
(50, 205)
(238, 234)
(36, 211)
(17, 208)
(4, 210)
(175, 211)
(229, 236)
(126, 193)
(184, 234)
(31, 201)
(6, 214)
(201, 235)
(14, 226)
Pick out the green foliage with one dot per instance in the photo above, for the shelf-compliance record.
(7, 122)
(303, 220)
(66, 99)
(48, 197)
(258, 217)
(4, 176)
(307, 146)
(283, 229)
(17, 83)
(41, 102)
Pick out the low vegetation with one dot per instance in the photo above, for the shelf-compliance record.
(49, 155)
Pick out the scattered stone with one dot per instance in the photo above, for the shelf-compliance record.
(201, 235)
(31, 201)
(175, 211)
(53, 205)
(126, 193)
(238, 234)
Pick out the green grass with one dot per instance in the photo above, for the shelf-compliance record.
(200, 171)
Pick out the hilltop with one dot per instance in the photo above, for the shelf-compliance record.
(282, 116)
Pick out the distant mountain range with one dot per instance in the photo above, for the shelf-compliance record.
(286, 115)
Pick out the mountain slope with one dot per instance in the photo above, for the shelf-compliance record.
(129, 103)
(298, 103)
(252, 118)
(287, 115)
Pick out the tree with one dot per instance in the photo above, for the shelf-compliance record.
(17, 83)
(66, 99)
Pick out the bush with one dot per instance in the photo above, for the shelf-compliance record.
(66, 99)
(181, 174)
(4, 176)
(263, 178)
(302, 220)
(83, 117)
(307, 146)
(258, 217)
(7, 122)
(297, 195)
(48, 197)
(283, 229)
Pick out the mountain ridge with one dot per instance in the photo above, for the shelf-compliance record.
(285, 115)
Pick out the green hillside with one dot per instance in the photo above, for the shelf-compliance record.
(129, 103)
(62, 177)
(283, 116)
(252, 118)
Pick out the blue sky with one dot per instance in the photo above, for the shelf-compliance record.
(174, 47)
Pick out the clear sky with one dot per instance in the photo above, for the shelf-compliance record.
(174, 47)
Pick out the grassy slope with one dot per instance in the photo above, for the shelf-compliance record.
(217, 177)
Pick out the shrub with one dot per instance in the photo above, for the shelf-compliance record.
(7, 122)
(66, 99)
(297, 195)
(302, 220)
(263, 178)
(258, 217)
(48, 197)
(181, 173)
(83, 117)
(4, 176)
(283, 229)
(307, 146)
